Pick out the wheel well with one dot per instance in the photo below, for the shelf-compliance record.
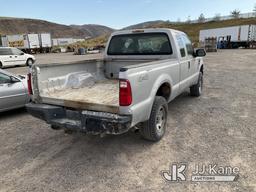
(202, 69)
(164, 91)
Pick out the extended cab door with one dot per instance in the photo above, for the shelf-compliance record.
(19, 57)
(7, 57)
(185, 63)
(189, 54)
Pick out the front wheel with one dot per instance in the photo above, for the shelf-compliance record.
(29, 62)
(196, 90)
(154, 128)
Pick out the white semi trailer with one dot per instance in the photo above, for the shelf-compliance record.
(62, 41)
(231, 37)
(33, 41)
(65, 41)
(28, 42)
(13, 41)
(45, 42)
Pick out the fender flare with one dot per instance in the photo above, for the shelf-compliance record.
(164, 78)
(201, 65)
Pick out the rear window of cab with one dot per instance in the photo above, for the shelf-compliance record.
(140, 44)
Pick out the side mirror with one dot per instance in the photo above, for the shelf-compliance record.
(22, 53)
(199, 53)
(22, 77)
(14, 80)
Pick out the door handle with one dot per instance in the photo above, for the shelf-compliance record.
(16, 56)
(189, 64)
(10, 56)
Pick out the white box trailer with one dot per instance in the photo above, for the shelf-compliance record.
(55, 42)
(65, 41)
(62, 41)
(18, 41)
(45, 42)
(33, 41)
(28, 42)
(4, 41)
(234, 37)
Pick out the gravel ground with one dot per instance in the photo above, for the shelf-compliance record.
(219, 127)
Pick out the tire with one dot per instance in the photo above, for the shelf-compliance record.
(1, 65)
(55, 127)
(29, 62)
(154, 128)
(196, 90)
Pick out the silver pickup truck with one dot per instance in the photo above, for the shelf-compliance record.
(141, 72)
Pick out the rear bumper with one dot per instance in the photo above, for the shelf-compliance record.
(84, 121)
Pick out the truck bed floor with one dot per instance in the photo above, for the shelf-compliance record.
(102, 93)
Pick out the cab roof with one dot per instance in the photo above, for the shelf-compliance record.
(149, 30)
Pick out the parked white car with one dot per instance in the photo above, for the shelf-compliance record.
(10, 56)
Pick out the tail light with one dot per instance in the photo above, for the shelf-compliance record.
(30, 91)
(125, 93)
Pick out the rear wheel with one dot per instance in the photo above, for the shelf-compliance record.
(29, 62)
(196, 90)
(55, 127)
(154, 128)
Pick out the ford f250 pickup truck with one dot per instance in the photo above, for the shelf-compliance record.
(141, 72)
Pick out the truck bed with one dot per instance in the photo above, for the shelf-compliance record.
(102, 96)
(87, 85)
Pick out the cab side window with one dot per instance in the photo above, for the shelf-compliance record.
(188, 44)
(4, 79)
(181, 46)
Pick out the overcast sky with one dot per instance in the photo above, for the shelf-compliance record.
(119, 13)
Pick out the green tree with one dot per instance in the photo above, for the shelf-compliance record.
(201, 18)
(188, 19)
(254, 10)
(235, 13)
(217, 17)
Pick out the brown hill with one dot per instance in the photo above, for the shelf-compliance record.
(94, 30)
(19, 26)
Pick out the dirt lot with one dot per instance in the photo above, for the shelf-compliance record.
(218, 127)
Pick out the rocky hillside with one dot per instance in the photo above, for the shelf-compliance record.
(146, 24)
(94, 30)
(19, 26)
